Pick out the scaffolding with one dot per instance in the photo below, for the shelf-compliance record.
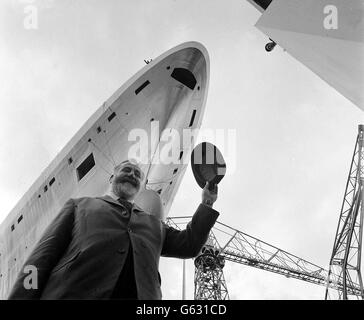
(345, 262)
(228, 244)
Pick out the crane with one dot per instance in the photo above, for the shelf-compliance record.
(345, 262)
(228, 244)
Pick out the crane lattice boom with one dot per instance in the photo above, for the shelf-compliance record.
(236, 246)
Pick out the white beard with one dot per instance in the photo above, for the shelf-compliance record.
(124, 190)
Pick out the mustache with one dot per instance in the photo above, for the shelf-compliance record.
(129, 179)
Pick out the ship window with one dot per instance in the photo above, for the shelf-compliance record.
(111, 116)
(12, 227)
(264, 4)
(192, 118)
(70, 160)
(142, 87)
(159, 191)
(184, 76)
(180, 155)
(45, 188)
(175, 171)
(85, 166)
(20, 218)
(98, 129)
(52, 181)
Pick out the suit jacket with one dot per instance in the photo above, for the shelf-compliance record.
(82, 252)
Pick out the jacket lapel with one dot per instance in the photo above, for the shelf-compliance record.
(110, 200)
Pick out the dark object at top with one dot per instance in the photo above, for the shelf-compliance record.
(184, 76)
(207, 164)
(264, 4)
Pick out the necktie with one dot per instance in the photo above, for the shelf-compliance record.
(127, 205)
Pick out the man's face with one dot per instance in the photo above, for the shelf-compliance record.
(127, 180)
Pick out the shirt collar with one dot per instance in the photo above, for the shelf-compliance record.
(110, 199)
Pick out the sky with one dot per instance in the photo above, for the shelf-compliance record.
(294, 133)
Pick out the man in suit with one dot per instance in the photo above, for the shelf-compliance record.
(109, 248)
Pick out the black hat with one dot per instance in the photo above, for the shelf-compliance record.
(207, 164)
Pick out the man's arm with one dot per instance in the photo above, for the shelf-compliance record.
(47, 253)
(188, 243)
